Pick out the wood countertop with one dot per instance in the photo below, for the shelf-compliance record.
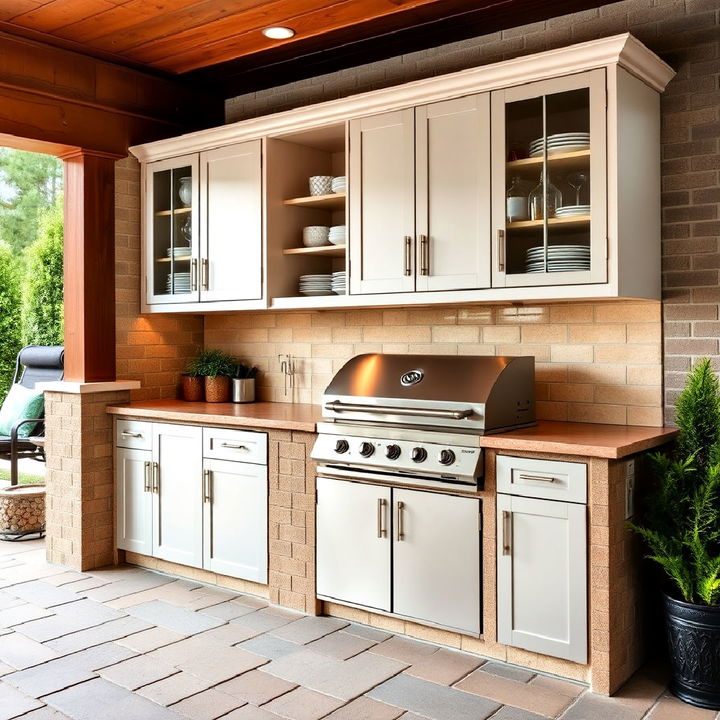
(264, 415)
(563, 438)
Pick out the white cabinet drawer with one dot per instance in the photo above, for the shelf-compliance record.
(546, 479)
(237, 445)
(134, 434)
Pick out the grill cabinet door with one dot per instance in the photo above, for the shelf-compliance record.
(541, 576)
(436, 559)
(353, 563)
(133, 500)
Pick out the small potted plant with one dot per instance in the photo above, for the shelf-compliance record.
(681, 528)
(216, 367)
(192, 385)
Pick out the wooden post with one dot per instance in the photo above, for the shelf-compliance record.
(89, 266)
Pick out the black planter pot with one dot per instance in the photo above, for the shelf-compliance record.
(693, 633)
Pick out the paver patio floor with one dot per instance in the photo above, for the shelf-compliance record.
(128, 644)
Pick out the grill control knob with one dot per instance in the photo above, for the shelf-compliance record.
(366, 449)
(393, 452)
(419, 454)
(447, 457)
(342, 446)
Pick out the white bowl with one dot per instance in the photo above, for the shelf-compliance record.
(315, 235)
(321, 184)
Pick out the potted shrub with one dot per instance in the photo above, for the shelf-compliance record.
(216, 367)
(192, 384)
(681, 527)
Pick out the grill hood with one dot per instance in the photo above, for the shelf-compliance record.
(480, 394)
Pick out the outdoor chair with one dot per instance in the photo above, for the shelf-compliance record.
(35, 363)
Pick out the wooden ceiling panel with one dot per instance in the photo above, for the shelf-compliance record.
(13, 8)
(57, 13)
(221, 40)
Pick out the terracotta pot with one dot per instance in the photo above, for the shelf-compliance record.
(193, 388)
(217, 389)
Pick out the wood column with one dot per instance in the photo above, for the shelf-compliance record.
(89, 266)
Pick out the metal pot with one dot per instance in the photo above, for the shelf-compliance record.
(243, 390)
(693, 634)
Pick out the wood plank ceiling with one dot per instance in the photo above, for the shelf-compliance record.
(219, 43)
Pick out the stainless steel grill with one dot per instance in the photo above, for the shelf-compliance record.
(417, 418)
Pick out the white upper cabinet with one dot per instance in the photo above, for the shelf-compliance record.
(453, 194)
(531, 179)
(231, 249)
(549, 155)
(382, 203)
(420, 198)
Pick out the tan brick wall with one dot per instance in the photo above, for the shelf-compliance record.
(151, 348)
(686, 35)
(80, 479)
(596, 362)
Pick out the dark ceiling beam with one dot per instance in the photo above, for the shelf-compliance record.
(378, 40)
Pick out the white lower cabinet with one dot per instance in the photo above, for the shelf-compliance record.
(133, 478)
(175, 505)
(542, 560)
(235, 499)
(409, 552)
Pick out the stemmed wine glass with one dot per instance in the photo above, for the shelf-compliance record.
(576, 180)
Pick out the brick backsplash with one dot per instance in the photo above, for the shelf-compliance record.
(598, 362)
(686, 34)
(151, 348)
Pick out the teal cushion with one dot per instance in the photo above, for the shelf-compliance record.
(21, 403)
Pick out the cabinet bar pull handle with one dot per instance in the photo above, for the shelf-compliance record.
(506, 532)
(233, 446)
(381, 529)
(408, 255)
(501, 249)
(539, 478)
(193, 274)
(207, 487)
(400, 528)
(155, 478)
(424, 255)
(205, 274)
(148, 480)
(128, 434)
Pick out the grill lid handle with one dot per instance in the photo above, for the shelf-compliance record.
(339, 406)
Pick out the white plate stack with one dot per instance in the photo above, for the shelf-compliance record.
(572, 211)
(178, 252)
(561, 142)
(339, 184)
(337, 234)
(316, 285)
(181, 284)
(339, 282)
(560, 258)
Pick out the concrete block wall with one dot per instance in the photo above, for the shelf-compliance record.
(686, 34)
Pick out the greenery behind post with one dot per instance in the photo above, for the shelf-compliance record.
(10, 337)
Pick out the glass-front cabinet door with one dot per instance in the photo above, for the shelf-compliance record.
(172, 230)
(549, 182)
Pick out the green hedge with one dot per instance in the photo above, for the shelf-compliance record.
(10, 317)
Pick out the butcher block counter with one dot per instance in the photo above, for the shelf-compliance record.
(563, 438)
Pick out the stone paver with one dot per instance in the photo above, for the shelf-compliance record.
(136, 672)
(303, 704)
(207, 705)
(151, 639)
(409, 651)
(229, 634)
(250, 712)
(42, 594)
(433, 701)
(341, 645)
(20, 652)
(597, 706)
(14, 703)
(365, 631)
(366, 709)
(266, 619)
(513, 713)
(508, 671)
(670, 708)
(113, 630)
(187, 622)
(445, 667)
(66, 671)
(270, 647)
(307, 629)
(20, 613)
(45, 713)
(98, 698)
(228, 610)
(256, 687)
(175, 688)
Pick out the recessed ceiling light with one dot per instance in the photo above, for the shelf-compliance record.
(278, 33)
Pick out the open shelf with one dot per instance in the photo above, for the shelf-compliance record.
(334, 201)
(176, 211)
(179, 258)
(323, 250)
(568, 222)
